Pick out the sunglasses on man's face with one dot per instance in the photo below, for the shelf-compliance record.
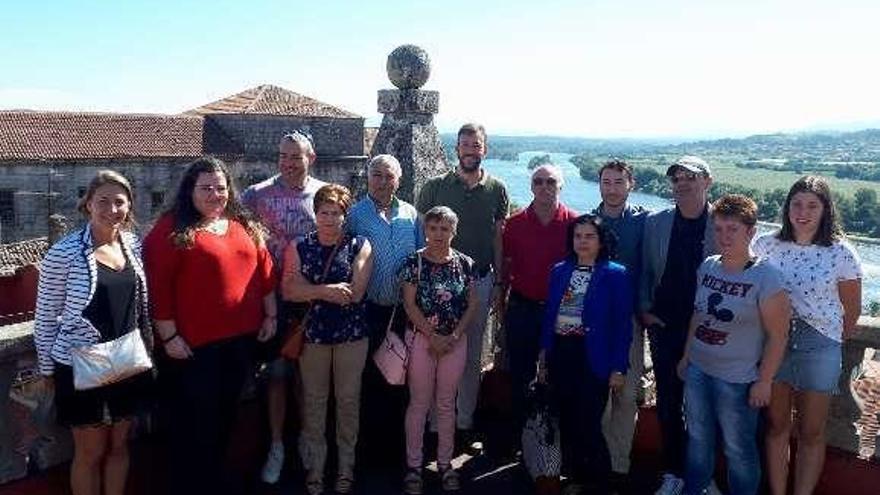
(686, 177)
(540, 181)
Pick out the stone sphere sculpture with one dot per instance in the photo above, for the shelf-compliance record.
(408, 67)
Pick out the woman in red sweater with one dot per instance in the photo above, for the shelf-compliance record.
(214, 291)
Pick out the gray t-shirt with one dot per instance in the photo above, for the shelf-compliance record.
(729, 339)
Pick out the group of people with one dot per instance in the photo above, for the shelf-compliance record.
(735, 324)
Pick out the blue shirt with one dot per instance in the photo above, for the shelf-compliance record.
(629, 228)
(392, 241)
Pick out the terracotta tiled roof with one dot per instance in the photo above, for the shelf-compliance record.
(69, 135)
(18, 254)
(271, 100)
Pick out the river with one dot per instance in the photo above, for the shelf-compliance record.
(583, 195)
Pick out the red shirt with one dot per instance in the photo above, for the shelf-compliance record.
(532, 248)
(213, 290)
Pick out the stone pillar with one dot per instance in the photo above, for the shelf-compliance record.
(852, 421)
(407, 130)
(57, 227)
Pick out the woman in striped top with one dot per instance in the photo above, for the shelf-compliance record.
(92, 289)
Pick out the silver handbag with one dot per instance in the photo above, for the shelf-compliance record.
(101, 364)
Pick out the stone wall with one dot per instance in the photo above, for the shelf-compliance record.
(259, 134)
(845, 412)
(154, 182)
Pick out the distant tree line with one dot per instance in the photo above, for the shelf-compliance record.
(860, 171)
(860, 214)
(539, 160)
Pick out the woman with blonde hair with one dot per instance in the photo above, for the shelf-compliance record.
(92, 290)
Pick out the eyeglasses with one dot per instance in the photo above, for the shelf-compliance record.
(205, 188)
(686, 177)
(540, 181)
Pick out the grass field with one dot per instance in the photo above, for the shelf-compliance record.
(724, 170)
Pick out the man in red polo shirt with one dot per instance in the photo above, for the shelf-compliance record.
(534, 240)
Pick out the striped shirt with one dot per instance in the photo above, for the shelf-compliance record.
(68, 279)
(392, 241)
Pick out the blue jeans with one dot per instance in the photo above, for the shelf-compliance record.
(812, 360)
(711, 403)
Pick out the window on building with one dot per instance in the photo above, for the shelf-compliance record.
(157, 199)
(7, 211)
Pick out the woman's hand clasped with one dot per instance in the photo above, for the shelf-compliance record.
(338, 293)
(442, 344)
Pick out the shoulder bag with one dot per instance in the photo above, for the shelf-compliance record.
(293, 343)
(101, 364)
(392, 356)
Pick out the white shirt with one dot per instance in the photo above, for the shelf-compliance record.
(811, 274)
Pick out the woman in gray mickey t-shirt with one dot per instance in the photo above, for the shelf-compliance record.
(735, 346)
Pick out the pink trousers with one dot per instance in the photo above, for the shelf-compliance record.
(431, 378)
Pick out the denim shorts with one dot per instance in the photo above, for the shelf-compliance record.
(812, 361)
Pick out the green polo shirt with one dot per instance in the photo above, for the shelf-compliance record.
(478, 208)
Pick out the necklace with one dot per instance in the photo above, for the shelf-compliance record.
(216, 226)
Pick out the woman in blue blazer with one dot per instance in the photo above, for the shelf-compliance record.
(585, 339)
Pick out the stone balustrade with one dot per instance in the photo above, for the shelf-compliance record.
(28, 432)
(47, 444)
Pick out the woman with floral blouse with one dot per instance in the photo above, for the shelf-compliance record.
(440, 299)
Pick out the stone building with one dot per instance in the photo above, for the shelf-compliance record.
(19, 271)
(48, 158)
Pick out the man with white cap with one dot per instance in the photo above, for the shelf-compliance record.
(676, 240)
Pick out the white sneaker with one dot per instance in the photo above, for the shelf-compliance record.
(672, 485)
(274, 464)
(713, 489)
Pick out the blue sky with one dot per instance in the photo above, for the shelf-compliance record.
(626, 68)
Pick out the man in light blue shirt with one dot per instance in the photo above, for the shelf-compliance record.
(394, 230)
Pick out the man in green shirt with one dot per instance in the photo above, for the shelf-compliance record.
(481, 203)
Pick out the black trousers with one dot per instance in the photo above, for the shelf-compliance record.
(579, 398)
(522, 324)
(667, 347)
(202, 400)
